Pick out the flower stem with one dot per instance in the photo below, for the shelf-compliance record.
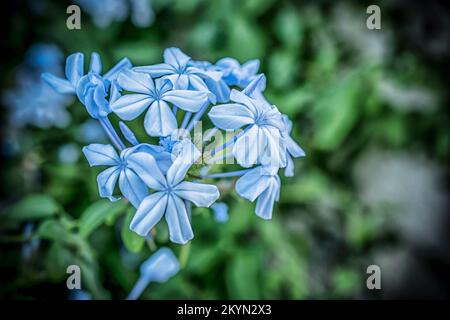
(138, 288)
(112, 134)
(237, 173)
(187, 116)
(197, 116)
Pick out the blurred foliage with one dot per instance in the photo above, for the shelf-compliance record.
(322, 236)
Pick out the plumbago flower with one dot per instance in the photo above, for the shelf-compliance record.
(154, 95)
(157, 179)
(171, 196)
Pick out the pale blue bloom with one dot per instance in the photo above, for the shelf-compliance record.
(68, 153)
(128, 134)
(183, 77)
(32, 101)
(92, 88)
(154, 96)
(263, 184)
(160, 267)
(261, 141)
(214, 83)
(130, 169)
(220, 211)
(293, 150)
(170, 196)
(78, 294)
(235, 74)
(168, 143)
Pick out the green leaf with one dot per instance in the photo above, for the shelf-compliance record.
(96, 214)
(35, 206)
(242, 276)
(132, 241)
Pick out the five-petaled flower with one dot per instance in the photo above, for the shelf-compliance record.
(171, 195)
(154, 95)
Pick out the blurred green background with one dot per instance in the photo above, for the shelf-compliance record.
(369, 107)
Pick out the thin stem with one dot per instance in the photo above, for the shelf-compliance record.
(230, 142)
(210, 134)
(237, 173)
(112, 134)
(221, 157)
(187, 116)
(138, 288)
(197, 116)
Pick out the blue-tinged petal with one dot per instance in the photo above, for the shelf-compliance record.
(231, 116)
(58, 84)
(220, 89)
(180, 230)
(273, 153)
(160, 120)
(251, 66)
(147, 169)
(114, 92)
(258, 84)
(196, 83)
(128, 134)
(130, 106)
(162, 157)
(136, 82)
(160, 266)
(74, 67)
(202, 195)
(95, 64)
(123, 64)
(251, 104)
(289, 170)
(132, 187)
(179, 81)
(228, 64)
(249, 147)
(149, 213)
(252, 184)
(102, 107)
(175, 57)
(184, 160)
(187, 100)
(101, 155)
(156, 70)
(266, 200)
(293, 148)
(106, 181)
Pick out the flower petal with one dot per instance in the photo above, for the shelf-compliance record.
(58, 84)
(106, 181)
(231, 116)
(130, 106)
(249, 147)
(95, 64)
(132, 187)
(74, 67)
(136, 82)
(175, 57)
(101, 155)
(184, 160)
(147, 169)
(252, 184)
(187, 100)
(123, 64)
(265, 202)
(156, 70)
(202, 195)
(149, 213)
(293, 148)
(160, 120)
(180, 229)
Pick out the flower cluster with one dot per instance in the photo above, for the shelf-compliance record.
(175, 96)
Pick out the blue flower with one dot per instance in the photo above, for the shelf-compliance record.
(261, 141)
(170, 196)
(263, 184)
(154, 95)
(32, 101)
(220, 210)
(125, 169)
(293, 150)
(160, 267)
(92, 88)
(183, 77)
(236, 75)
